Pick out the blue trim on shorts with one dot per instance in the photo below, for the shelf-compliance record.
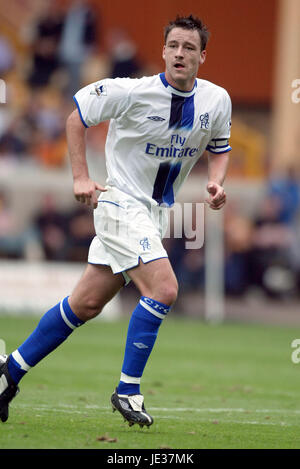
(97, 263)
(110, 202)
(129, 268)
(147, 262)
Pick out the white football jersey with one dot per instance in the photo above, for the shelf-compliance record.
(156, 133)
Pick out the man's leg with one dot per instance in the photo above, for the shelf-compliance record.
(157, 284)
(96, 287)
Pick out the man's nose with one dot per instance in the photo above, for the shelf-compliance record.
(179, 52)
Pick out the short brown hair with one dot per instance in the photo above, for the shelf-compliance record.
(189, 22)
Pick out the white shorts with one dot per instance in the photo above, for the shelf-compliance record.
(126, 231)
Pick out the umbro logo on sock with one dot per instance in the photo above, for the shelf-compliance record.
(140, 345)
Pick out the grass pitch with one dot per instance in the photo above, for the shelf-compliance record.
(227, 386)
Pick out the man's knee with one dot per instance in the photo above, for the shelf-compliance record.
(168, 294)
(165, 292)
(87, 308)
(157, 281)
(94, 290)
(93, 308)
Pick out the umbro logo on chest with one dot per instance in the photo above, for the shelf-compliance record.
(156, 118)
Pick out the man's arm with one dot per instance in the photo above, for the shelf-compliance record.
(217, 169)
(84, 188)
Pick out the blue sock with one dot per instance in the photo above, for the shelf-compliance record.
(142, 332)
(53, 329)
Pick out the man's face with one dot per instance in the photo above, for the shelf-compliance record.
(182, 55)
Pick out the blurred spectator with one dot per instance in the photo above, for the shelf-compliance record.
(123, 54)
(12, 241)
(52, 226)
(81, 233)
(188, 264)
(64, 236)
(272, 243)
(17, 138)
(50, 112)
(285, 188)
(38, 130)
(192, 272)
(238, 239)
(44, 48)
(7, 56)
(78, 40)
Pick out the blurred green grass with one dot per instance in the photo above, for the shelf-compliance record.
(207, 386)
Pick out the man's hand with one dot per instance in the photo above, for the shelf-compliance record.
(217, 196)
(85, 191)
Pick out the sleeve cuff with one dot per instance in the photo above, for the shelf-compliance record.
(80, 114)
(218, 151)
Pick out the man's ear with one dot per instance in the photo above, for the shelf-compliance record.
(164, 52)
(202, 57)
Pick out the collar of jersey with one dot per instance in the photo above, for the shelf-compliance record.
(173, 90)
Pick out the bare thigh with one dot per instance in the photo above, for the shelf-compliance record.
(156, 279)
(97, 286)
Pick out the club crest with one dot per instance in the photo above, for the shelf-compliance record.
(204, 119)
